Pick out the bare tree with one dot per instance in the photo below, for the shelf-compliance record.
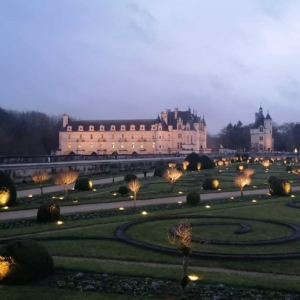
(40, 177)
(64, 178)
(241, 180)
(172, 165)
(266, 163)
(181, 237)
(185, 164)
(172, 176)
(4, 196)
(248, 172)
(134, 186)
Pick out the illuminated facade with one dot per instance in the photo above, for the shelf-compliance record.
(261, 132)
(172, 131)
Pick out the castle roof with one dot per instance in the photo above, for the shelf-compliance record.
(186, 116)
(268, 117)
(260, 121)
(118, 123)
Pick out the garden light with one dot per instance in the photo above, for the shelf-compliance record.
(29, 196)
(193, 277)
(59, 222)
(144, 213)
(5, 207)
(121, 208)
(179, 202)
(254, 201)
(207, 206)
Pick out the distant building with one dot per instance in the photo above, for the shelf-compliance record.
(171, 132)
(261, 132)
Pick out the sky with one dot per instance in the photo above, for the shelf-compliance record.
(122, 59)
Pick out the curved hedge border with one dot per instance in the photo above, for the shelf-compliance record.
(120, 233)
(294, 204)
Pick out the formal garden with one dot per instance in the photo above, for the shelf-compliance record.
(231, 245)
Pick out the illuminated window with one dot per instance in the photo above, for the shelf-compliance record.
(141, 146)
(91, 145)
(132, 145)
(153, 145)
(79, 146)
(122, 145)
(113, 145)
(69, 146)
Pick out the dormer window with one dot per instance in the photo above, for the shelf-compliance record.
(153, 127)
(261, 129)
(101, 128)
(132, 127)
(69, 128)
(112, 127)
(142, 127)
(91, 128)
(80, 128)
(122, 127)
(159, 127)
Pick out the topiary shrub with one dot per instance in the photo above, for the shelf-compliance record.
(159, 171)
(245, 156)
(24, 261)
(123, 190)
(271, 178)
(233, 161)
(83, 184)
(48, 212)
(251, 161)
(8, 189)
(238, 157)
(129, 177)
(206, 162)
(210, 184)
(280, 187)
(289, 169)
(193, 159)
(193, 198)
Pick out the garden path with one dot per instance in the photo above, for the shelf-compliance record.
(29, 213)
(191, 268)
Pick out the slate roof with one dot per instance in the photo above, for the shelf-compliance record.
(268, 117)
(260, 121)
(118, 123)
(186, 116)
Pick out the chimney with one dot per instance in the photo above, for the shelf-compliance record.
(176, 113)
(65, 120)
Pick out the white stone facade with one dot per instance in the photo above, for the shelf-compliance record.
(171, 132)
(262, 133)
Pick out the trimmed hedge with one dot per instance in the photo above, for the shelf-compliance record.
(7, 184)
(26, 260)
(280, 187)
(193, 198)
(129, 177)
(123, 190)
(48, 212)
(83, 184)
(193, 158)
(210, 184)
(271, 178)
(289, 169)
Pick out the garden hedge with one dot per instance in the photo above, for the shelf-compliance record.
(280, 187)
(193, 198)
(210, 184)
(48, 212)
(130, 177)
(83, 184)
(7, 184)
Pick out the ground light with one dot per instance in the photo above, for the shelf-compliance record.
(207, 206)
(5, 207)
(292, 196)
(179, 202)
(254, 201)
(75, 201)
(179, 192)
(231, 198)
(193, 277)
(144, 213)
(131, 196)
(121, 208)
(114, 194)
(94, 190)
(29, 196)
(59, 222)
(61, 198)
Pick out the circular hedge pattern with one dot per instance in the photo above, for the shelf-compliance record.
(120, 233)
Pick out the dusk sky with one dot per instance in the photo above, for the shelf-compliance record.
(121, 59)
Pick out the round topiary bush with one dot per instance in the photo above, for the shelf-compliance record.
(238, 157)
(24, 261)
(271, 178)
(159, 171)
(206, 162)
(210, 184)
(251, 161)
(193, 198)
(123, 190)
(245, 156)
(129, 177)
(83, 184)
(233, 161)
(193, 159)
(289, 169)
(280, 187)
(48, 212)
(8, 192)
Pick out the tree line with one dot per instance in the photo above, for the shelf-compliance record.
(237, 137)
(28, 133)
